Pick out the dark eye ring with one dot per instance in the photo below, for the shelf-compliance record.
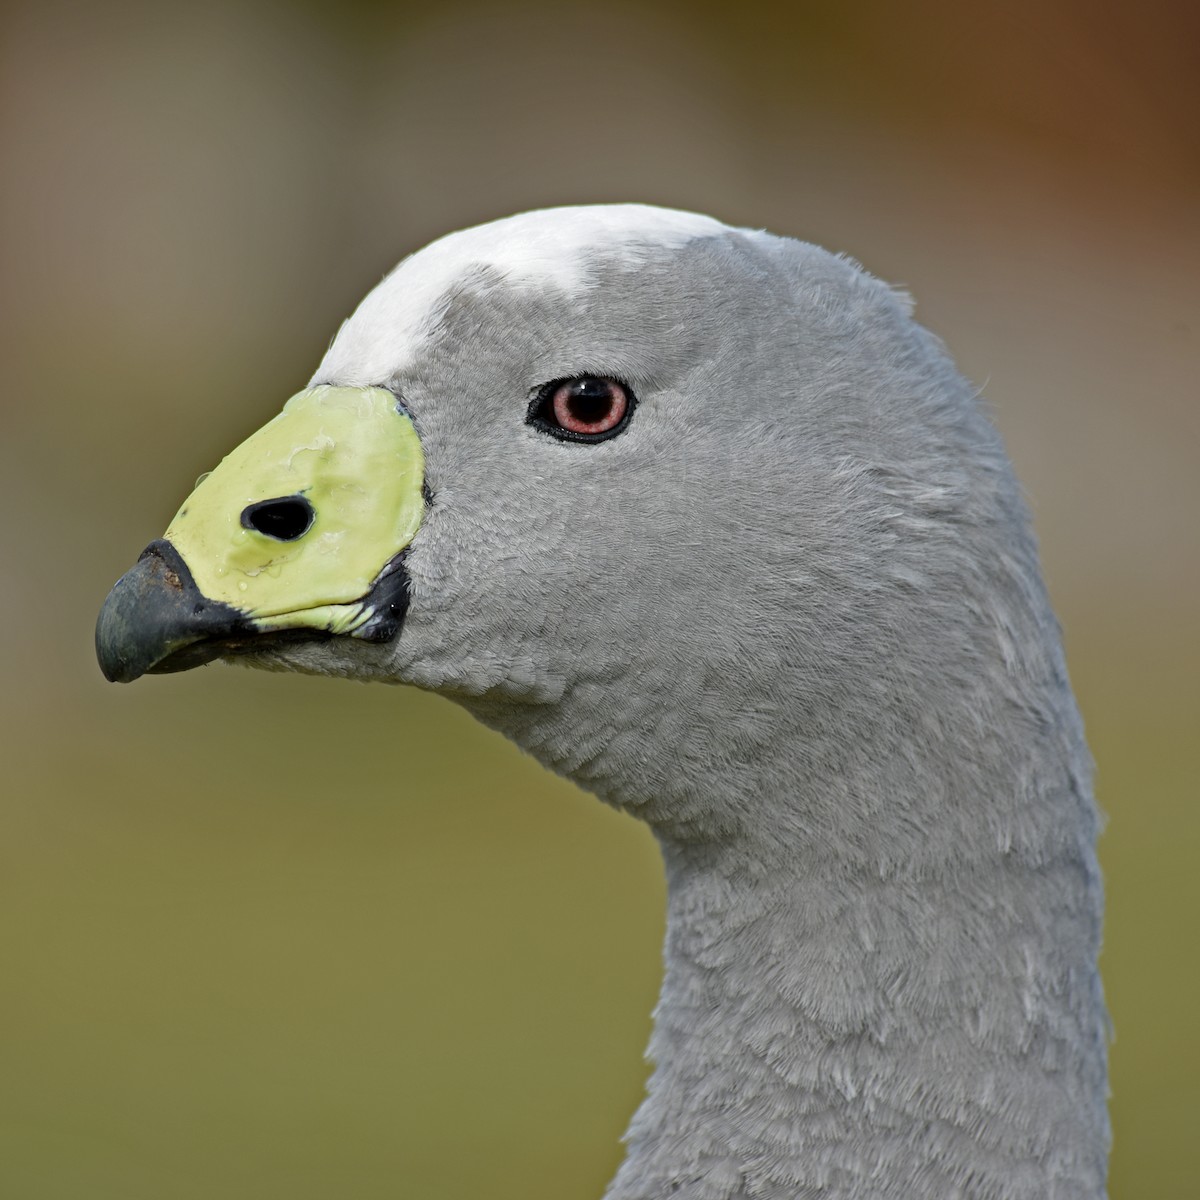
(587, 408)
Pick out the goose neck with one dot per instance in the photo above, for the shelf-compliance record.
(826, 1032)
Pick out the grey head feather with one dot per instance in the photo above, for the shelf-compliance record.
(792, 617)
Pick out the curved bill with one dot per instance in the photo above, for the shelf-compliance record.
(298, 534)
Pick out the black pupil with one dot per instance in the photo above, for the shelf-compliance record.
(591, 401)
(284, 519)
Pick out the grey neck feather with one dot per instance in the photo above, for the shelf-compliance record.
(823, 1032)
(911, 1021)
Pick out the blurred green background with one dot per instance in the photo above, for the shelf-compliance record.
(270, 936)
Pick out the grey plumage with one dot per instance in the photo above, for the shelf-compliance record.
(793, 618)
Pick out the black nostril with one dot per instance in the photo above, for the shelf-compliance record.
(284, 519)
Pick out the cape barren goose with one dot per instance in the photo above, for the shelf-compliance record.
(702, 519)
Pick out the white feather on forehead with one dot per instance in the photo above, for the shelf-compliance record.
(552, 246)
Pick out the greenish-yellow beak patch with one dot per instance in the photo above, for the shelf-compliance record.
(295, 525)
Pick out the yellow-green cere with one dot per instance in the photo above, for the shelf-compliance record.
(353, 457)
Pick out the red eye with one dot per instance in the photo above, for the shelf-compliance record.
(587, 409)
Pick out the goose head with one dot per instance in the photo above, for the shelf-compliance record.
(645, 491)
(701, 518)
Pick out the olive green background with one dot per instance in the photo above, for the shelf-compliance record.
(267, 936)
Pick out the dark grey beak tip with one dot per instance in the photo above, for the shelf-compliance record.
(154, 610)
